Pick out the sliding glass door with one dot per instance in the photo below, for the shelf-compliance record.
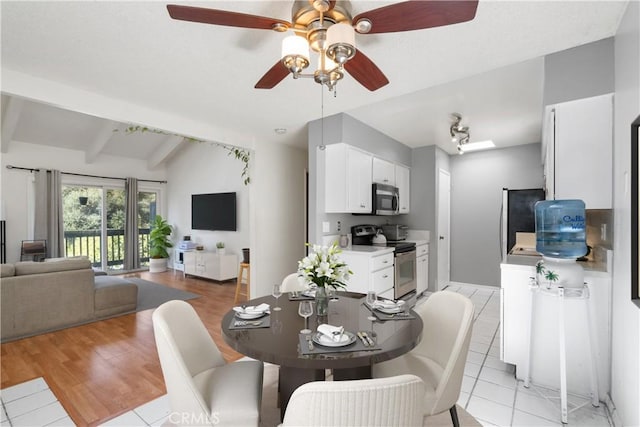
(94, 219)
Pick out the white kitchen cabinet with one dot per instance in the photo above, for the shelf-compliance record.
(371, 270)
(210, 265)
(384, 172)
(403, 182)
(422, 268)
(515, 319)
(577, 151)
(347, 179)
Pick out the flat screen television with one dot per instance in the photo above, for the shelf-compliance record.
(215, 211)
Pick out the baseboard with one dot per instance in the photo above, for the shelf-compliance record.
(612, 412)
(473, 285)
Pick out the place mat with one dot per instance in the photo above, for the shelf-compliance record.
(319, 349)
(384, 316)
(299, 296)
(265, 322)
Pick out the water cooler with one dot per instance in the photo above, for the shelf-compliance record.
(561, 239)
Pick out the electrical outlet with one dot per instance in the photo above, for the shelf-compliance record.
(338, 226)
(326, 227)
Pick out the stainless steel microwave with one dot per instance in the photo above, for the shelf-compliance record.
(385, 200)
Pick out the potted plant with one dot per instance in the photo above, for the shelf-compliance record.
(220, 246)
(158, 244)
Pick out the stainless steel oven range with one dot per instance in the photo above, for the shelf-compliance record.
(404, 258)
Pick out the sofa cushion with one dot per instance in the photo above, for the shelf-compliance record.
(7, 270)
(114, 295)
(31, 267)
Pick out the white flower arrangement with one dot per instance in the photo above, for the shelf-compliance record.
(323, 267)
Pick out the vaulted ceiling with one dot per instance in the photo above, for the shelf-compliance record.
(490, 70)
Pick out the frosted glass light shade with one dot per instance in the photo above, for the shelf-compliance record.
(341, 34)
(295, 46)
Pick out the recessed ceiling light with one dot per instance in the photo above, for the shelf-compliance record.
(480, 145)
(280, 131)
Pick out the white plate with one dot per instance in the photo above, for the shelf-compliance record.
(323, 340)
(249, 316)
(391, 310)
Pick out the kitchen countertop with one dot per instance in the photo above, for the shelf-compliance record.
(530, 261)
(367, 250)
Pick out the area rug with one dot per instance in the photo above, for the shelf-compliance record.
(152, 295)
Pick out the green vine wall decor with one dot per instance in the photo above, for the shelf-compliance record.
(239, 153)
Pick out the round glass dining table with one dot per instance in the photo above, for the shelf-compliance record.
(280, 342)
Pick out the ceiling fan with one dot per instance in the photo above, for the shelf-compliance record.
(327, 27)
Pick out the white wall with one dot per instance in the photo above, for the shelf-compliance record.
(205, 168)
(278, 214)
(17, 185)
(625, 389)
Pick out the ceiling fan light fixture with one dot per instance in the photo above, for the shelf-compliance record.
(295, 53)
(479, 145)
(341, 42)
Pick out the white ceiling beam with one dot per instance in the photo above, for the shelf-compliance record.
(10, 121)
(101, 140)
(165, 151)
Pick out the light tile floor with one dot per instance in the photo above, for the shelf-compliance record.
(490, 391)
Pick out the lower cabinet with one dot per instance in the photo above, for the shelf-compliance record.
(515, 321)
(210, 265)
(422, 268)
(371, 271)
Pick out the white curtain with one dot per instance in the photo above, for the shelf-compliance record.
(48, 215)
(131, 251)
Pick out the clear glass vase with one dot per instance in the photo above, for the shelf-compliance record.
(322, 301)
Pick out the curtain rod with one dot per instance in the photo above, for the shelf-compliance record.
(82, 174)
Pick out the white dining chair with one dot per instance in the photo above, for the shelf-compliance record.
(293, 283)
(440, 357)
(393, 401)
(202, 388)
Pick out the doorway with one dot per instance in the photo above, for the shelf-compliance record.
(443, 226)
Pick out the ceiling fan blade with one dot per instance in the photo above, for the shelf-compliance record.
(275, 75)
(365, 72)
(419, 14)
(223, 17)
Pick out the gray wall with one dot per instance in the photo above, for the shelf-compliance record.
(344, 128)
(580, 72)
(477, 180)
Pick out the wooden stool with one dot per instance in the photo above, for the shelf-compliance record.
(244, 266)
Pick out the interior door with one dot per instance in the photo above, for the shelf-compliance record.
(444, 203)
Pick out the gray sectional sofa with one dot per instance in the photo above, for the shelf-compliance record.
(37, 297)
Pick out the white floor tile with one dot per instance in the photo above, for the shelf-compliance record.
(479, 347)
(463, 399)
(490, 411)
(539, 406)
(40, 417)
(472, 370)
(495, 393)
(128, 419)
(26, 404)
(157, 409)
(496, 363)
(64, 422)
(477, 358)
(24, 389)
(523, 419)
(498, 376)
(467, 384)
(482, 339)
(3, 415)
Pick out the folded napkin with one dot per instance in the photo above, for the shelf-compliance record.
(252, 309)
(335, 333)
(388, 304)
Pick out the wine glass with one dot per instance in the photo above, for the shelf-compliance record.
(276, 294)
(371, 299)
(305, 309)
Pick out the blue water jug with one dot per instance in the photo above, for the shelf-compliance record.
(561, 228)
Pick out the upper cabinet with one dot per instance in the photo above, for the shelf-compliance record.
(577, 151)
(347, 179)
(384, 172)
(403, 182)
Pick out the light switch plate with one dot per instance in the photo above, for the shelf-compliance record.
(326, 227)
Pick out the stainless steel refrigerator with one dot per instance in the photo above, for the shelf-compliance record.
(517, 214)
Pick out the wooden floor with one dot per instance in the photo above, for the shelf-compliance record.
(101, 370)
